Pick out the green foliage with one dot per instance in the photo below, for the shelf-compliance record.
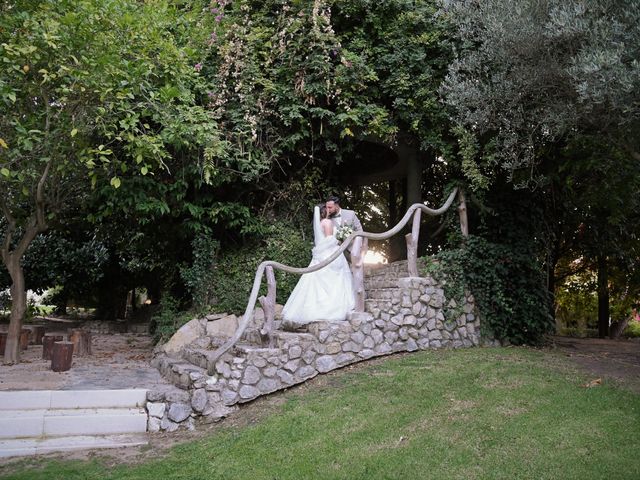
(199, 276)
(235, 269)
(167, 319)
(633, 329)
(577, 302)
(506, 285)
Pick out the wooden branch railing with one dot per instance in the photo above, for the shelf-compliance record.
(359, 240)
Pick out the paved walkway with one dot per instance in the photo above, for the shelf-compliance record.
(119, 360)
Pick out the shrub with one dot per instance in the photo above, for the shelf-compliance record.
(167, 319)
(235, 269)
(198, 277)
(506, 283)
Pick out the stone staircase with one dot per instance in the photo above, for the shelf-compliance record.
(43, 421)
(402, 314)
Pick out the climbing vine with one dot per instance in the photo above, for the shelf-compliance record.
(506, 284)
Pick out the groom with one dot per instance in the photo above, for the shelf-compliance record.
(340, 216)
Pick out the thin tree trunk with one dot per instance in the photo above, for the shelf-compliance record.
(18, 310)
(603, 297)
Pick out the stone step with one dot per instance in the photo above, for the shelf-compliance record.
(71, 421)
(385, 293)
(286, 339)
(179, 371)
(36, 446)
(200, 357)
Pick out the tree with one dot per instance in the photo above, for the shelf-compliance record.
(88, 90)
(548, 94)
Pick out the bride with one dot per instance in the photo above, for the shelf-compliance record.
(326, 294)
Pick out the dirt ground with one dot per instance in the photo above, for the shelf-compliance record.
(614, 360)
(121, 361)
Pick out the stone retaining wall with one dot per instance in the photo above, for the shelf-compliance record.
(411, 314)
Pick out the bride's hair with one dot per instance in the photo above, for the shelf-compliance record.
(323, 211)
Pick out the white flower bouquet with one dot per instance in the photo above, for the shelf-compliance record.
(343, 232)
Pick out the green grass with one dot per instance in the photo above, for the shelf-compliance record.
(470, 414)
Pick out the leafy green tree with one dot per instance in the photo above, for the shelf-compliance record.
(88, 90)
(547, 94)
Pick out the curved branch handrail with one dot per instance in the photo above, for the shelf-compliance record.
(257, 281)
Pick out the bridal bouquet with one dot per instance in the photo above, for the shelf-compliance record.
(343, 232)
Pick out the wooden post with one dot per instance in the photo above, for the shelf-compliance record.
(357, 269)
(269, 307)
(412, 244)
(47, 343)
(3, 341)
(62, 356)
(81, 342)
(462, 212)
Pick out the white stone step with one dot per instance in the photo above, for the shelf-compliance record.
(82, 421)
(34, 446)
(57, 399)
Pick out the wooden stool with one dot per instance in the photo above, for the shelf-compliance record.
(37, 332)
(47, 343)
(25, 334)
(62, 356)
(81, 342)
(3, 342)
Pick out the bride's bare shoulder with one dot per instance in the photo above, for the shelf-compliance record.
(327, 226)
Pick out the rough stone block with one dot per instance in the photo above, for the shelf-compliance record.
(345, 358)
(268, 385)
(248, 392)
(270, 371)
(295, 351)
(186, 334)
(292, 365)
(156, 409)
(222, 327)
(326, 363)
(306, 372)
(229, 397)
(178, 412)
(383, 348)
(199, 400)
(153, 424)
(286, 377)
(366, 353)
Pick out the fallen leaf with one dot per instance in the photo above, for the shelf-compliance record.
(593, 383)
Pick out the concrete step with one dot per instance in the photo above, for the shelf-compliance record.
(44, 421)
(72, 421)
(35, 446)
(57, 399)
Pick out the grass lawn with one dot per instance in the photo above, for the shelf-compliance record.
(468, 414)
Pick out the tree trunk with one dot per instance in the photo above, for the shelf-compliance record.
(603, 297)
(18, 310)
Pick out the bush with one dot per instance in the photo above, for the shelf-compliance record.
(168, 319)
(198, 277)
(507, 286)
(235, 269)
(633, 329)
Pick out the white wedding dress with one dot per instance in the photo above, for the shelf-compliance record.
(326, 294)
